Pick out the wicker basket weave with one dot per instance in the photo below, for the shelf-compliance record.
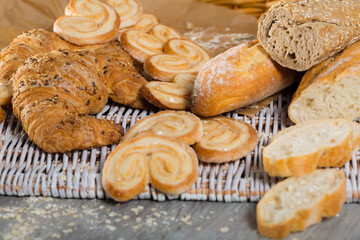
(253, 7)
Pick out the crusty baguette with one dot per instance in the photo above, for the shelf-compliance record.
(302, 148)
(298, 202)
(242, 75)
(301, 34)
(330, 89)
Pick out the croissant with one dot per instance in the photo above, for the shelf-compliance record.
(122, 80)
(25, 45)
(52, 95)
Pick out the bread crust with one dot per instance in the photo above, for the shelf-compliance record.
(329, 206)
(301, 34)
(305, 164)
(236, 78)
(331, 70)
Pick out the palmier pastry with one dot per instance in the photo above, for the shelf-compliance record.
(141, 45)
(169, 165)
(130, 11)
(225, 139)
(54, 92)
(88, 22)
(174, 95)
(146, 23)
(180, 56)
(182, 126)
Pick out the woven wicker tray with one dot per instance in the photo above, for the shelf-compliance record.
(27, 170)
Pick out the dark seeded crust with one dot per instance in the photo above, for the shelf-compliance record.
(301, 34)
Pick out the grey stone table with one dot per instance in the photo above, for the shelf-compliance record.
(50, 218)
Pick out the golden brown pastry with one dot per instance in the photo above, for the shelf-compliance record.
(225, 139)
(180, 56)
(182, 126)
(169, 165)
(37, 41)
(141, 45)
(146, 23)
(2, 116)
(122, 80)
(54, 92)
(174, 95)
(130, 11)
(88, 22)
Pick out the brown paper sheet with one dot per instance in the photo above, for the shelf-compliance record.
(253, 109)
(19, 15)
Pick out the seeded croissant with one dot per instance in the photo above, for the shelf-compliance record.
(122, 80)
(52, 95)
(25, 45)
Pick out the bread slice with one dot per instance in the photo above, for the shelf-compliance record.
(298, 202)
(300, 149)
(330, 89)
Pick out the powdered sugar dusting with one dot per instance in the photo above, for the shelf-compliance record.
(215, 72)
(215, 40)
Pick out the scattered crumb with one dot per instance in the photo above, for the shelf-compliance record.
(55, 235)
(198, 229)
(111, 227)
(66, 231)
(126, 217)
(186, 219)
(224, 229)
(211, 212)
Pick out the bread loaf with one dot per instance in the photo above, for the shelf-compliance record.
(301, 34)
(242, 75)
(302, 148)
(298, 202)
(330, 89)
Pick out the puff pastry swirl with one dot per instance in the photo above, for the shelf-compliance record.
(169, 165)
(182, 126)
(88, 22)
(225, 139)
